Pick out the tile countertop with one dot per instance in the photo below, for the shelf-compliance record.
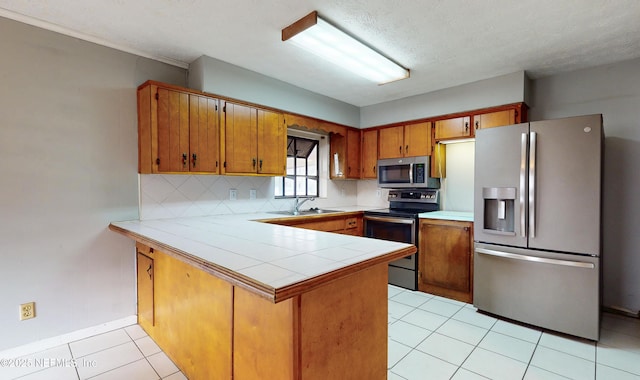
(276, 262)
(462, 216)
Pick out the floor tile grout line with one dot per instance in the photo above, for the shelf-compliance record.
(115, 368)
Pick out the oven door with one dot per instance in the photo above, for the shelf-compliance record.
(394, 228)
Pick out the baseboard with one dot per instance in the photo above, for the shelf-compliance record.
(59, 340)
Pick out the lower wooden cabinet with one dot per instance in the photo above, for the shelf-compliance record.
(145, 285)
(342, 223)
(446, 259)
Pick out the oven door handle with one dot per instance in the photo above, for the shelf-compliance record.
(390, 220)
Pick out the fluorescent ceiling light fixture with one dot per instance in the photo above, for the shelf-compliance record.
(326, 41)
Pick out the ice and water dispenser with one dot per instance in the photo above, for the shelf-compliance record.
(499, 209)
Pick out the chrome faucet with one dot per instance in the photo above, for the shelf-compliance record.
(296, 206)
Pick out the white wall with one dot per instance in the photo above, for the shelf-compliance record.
(505, 89)
(614, 91)
(217, 77)
(456, 189)
(68, 161)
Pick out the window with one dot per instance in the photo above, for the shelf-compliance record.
(302, 169)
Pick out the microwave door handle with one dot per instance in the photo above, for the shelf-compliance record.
(411, 172)
(523, 181)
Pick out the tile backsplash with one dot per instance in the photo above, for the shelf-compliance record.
(169, 196)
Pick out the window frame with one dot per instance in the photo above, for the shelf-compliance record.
(294, 177)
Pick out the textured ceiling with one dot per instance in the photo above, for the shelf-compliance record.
(444, 43)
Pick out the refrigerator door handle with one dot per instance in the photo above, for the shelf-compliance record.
(532, 184)
(523, 168)
(544, 260)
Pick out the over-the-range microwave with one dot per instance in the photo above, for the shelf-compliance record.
(408, 172)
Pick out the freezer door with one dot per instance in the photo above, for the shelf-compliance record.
(565, 184)
(500, 185)
(556, 291)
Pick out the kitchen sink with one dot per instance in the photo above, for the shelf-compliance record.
(311, 211)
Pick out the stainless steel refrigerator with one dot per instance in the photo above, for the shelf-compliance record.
(537, 212)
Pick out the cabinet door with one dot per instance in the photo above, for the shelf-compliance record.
(272, 140)
(369, 153)
(353, 153)
(452, 128)
(417, 139)
(145, 290)
(494, 119)
(240, 139)
(204, 139)
(391, 142)
(173, 131)
(446, 259)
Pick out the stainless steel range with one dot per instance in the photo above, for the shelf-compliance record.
(399, 223)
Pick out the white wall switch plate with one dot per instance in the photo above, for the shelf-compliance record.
(233, 194)
(253, 194)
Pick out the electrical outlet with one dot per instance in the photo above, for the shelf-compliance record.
(27, 310)
(253, 194)
(233, 194)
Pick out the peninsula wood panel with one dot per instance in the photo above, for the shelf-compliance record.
(344, 328)
(265, 338)
(193, 318)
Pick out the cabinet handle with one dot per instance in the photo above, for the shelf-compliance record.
(400, 149)
(374, 168)
(254, 163)
(477, 125)
(406, 149)
(150, 271)
(260, 165)
(194, 158)
(466, 127)
(184, 159)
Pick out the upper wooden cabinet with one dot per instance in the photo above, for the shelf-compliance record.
(178, 130)
(253, 141)
(353, 153)
(457, 127)
(464, 125)
(345, 145)
(514, 114)
(369, 153)
(405, 141)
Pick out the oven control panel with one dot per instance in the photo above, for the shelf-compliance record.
(423, 195)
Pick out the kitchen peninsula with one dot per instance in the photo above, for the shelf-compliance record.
(230, 297)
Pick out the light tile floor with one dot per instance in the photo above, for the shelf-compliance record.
(430, 337)
(125, 354)
(433, 338)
